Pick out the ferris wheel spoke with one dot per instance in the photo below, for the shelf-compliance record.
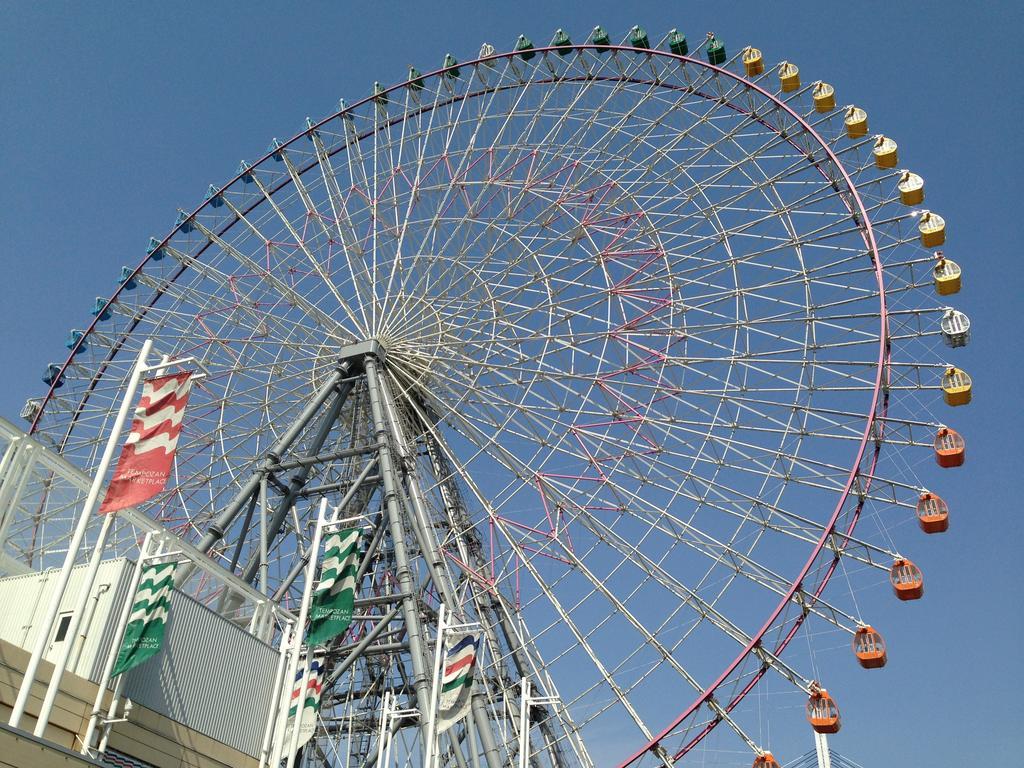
(795, 168)
(762, 576)
(347, 236)
(402, 221)
(347, 239)
(532, 169)
(312, 212)
(321, 318)
(526, 561)
(584, 643)
(651, 640)
(299, 240)
(449, 189)
(784, 669)
(834, 274)
(820, 189)
(632, 553)
(693, 537)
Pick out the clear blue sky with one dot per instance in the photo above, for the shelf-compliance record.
(114, 115)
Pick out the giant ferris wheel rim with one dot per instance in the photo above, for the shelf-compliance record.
(878, 398)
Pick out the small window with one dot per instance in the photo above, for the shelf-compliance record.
(62, 627)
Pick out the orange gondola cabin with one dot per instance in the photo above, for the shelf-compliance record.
(766, 761)
(822, 712)
(869, 648)
(949, 448)
(932, 513)
(906, 579)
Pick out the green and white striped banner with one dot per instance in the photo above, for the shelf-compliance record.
(331, 610)
(145, 631)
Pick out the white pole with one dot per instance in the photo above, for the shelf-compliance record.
(524, 723)
(83, 597)
(300, 626)
(115, 647)
(43, 638)
(115, 699)
(385, 728)
(275, 695)
(281, 724)
(293, 742)
(392, 712)
(824, 756)
(76, 619)
(431, 745)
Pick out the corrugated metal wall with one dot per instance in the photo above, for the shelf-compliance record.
(24, 600)
(211, 675)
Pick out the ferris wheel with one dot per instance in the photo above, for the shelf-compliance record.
(636, 336)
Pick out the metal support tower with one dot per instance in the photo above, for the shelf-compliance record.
(353, 443)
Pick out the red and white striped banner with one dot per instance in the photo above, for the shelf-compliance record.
(148, 454)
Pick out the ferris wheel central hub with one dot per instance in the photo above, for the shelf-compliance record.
(357, 352)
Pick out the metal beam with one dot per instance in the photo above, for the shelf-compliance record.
(381, 600)
(215, 531)
(298, 480)
(310, 460)
(354, 654)
(484, 598)
(410, 608)
(342, 485)
(420, 519)
(301, 563)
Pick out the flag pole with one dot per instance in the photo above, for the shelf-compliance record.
(275, 695)
(524, 723)
(90, 578)
(300, 627)
(281, 718)
(392, 713)
(385, 728)
(115, 700)
(115, 647)
(43, 638)
(60, 665)
(300, 705)
(431, 745)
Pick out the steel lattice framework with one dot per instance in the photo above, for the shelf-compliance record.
(649, 336)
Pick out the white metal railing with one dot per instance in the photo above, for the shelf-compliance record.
(40, 495)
